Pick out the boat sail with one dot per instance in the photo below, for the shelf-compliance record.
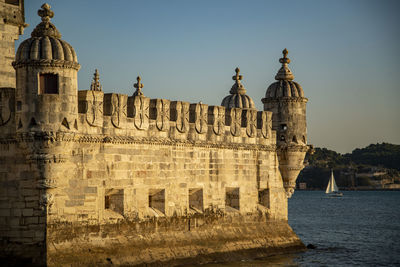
(332, 189)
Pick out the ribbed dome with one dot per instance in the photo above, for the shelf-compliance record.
(285, 86)
(238, 101)
(238, 97)
(45, 45)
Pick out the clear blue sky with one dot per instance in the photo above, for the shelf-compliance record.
(345, 54)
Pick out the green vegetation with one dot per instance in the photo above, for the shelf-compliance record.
(385, 155)
(373, 166)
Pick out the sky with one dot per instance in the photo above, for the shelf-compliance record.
(345, 54)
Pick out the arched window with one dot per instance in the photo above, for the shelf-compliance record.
(283, 138)
(294, 139)
(304, 139)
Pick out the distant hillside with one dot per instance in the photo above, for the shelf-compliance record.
(385, 155)
(375, 166)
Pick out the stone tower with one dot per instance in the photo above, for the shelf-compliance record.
(12, 24)
(46, 73)
(285, 98)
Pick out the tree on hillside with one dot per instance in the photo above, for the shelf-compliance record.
(385, 155)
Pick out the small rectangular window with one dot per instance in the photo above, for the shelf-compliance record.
(13, 2)
(48, 83)
(196, 200)
(263, 197)
(114, 200)
(157, 200)
(232, 198)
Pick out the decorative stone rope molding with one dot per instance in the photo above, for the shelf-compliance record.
(54, 63)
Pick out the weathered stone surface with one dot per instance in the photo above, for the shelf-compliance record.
(12, 25)
(115, 106)
(233, 118)
(159, 110)
(91, 104)
(199, 116)
(195, 240)
(216, 117)
(141, 105)
(180, 114)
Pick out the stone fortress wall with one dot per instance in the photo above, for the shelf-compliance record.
(91, 177)
(12, 24)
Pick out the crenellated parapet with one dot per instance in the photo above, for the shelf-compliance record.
(138, 115)
(122, 115)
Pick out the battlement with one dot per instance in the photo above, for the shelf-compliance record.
(139, 116)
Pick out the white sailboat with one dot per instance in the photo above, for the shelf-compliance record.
(332, 189)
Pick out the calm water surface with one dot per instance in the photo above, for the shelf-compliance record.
(358, 229)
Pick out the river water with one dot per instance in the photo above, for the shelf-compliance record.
(362, 228)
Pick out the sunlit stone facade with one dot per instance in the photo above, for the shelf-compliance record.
(91, 177)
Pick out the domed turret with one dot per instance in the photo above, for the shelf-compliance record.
(285, 98)
(238, 97)
(46, 48)
(46, 72)
(285, 86)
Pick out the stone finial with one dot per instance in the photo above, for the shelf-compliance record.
(285, 59)
(46, 13)
(237, 77)
(238, 87)
(284, 72)
(138, 87)
(46, 28)
(96, 86)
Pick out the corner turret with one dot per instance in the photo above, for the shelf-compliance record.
(285, 98)
(46, 75)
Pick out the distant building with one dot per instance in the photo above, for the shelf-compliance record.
(302, 186)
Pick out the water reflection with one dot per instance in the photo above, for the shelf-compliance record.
(288, 260)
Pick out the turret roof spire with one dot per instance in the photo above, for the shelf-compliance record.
(138, 87)
(284, 72)
(96, 86)
(238, 97)
(46, 28)
(238, 87)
